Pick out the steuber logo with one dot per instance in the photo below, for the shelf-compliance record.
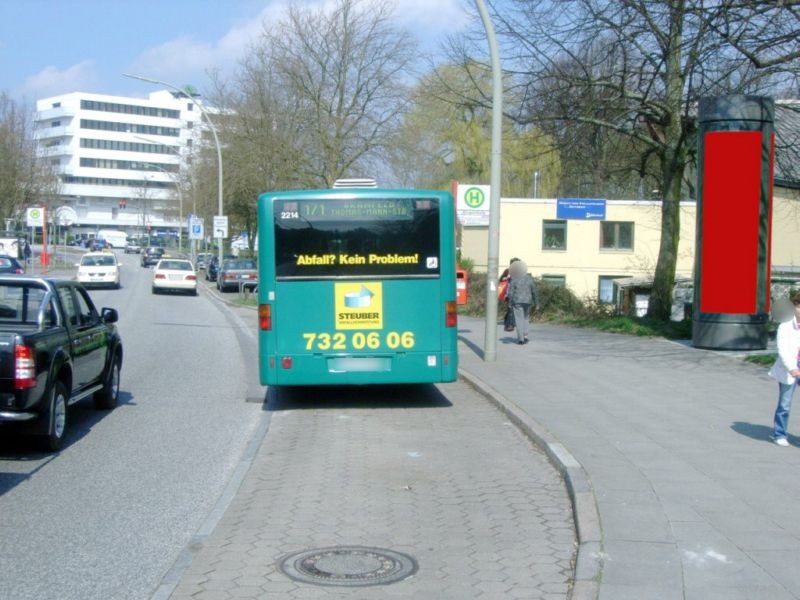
(359, 305)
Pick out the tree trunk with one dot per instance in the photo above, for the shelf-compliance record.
(673, 161)
(660, 306)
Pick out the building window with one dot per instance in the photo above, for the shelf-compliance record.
(108, 163)
(616, 235)
(56, 104)
(554, 235)
(555, 280)
(129, 127)
(140, 183)
(55, 124)
(605, 288)
(190, 106)
(128, 146)
(129, 109)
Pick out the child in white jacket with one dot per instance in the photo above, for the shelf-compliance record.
(786, 370)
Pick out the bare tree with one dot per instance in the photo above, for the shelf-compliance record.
(446, 135)
(345, 72)
(260, 124)
(635, 69)
(24, 178)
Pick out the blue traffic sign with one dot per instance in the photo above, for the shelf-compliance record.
(581, 208)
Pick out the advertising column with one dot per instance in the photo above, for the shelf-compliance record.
(732, 262)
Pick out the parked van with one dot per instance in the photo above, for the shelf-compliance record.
(115, 238)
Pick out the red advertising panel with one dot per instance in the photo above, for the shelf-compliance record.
(730, 228)
(768, 288)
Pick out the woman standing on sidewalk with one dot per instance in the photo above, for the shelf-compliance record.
(521, 296)
(786, 370)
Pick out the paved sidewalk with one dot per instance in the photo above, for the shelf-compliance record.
(432, 472)
(694, 501)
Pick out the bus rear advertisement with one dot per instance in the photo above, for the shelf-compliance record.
(357, 287)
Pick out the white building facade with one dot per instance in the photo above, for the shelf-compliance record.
(119, 159)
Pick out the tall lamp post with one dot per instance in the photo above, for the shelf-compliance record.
(490, 338)
(177, 187)
(180, 206)
(213, 131)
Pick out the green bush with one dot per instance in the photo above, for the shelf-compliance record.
(560, 305)
(761, 359)
(476, 294)
(554, 300)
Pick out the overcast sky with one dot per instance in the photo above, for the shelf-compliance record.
(51, 47)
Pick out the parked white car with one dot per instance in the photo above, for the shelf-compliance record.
(99, 269)
(174, 274)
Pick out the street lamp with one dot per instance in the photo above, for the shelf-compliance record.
(180, 205)
(177, 187)
(490, 337)
(213, 131)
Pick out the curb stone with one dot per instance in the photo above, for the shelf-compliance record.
(589, 562)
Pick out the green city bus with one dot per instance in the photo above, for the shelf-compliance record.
(357, 286)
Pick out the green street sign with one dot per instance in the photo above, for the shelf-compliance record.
(474, 197)
(34, 217)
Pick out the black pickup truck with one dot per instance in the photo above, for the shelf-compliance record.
(55, 349)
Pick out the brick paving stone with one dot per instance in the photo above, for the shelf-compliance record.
(454, 486)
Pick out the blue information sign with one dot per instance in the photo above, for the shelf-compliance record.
(581, 208)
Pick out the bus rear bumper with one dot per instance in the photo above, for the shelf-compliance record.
(417, 367)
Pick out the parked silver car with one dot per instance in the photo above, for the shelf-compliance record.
(202, 260)
(236, 271)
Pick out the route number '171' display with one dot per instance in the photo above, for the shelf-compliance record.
(356, 286)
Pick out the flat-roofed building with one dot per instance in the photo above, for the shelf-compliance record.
(118, 159)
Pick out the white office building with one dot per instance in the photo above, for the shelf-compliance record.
(119, 159)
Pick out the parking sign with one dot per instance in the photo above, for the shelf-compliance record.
(196, 228)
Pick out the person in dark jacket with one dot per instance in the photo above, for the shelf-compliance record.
(508, 320)
(522, 295)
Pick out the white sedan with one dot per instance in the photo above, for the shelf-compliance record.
(175, 274)
(98, 269)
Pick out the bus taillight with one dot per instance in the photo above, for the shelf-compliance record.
(265, 317)
(450, 316)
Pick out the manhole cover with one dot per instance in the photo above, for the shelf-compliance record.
(348, 566)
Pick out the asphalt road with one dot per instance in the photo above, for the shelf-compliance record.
(107, 516)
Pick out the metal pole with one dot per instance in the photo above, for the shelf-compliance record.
(177, 185)
(490, 339)
(213, 131)
(180, 205)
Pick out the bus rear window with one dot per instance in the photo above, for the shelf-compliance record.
(367, 237)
